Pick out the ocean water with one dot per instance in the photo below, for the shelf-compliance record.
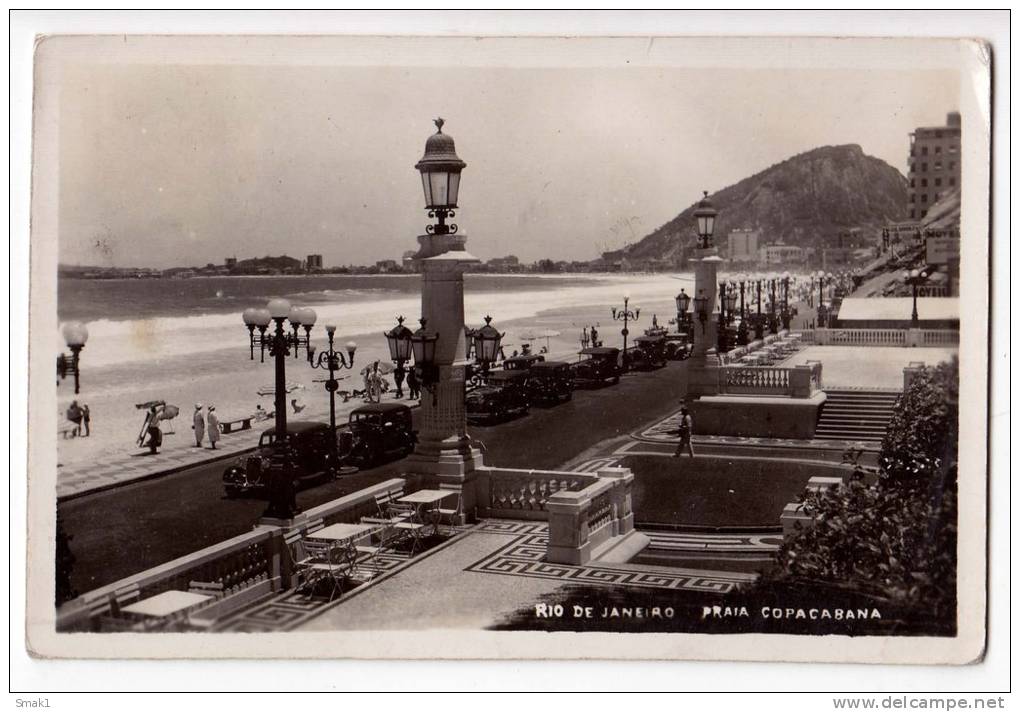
(140, 321)
(177, 341)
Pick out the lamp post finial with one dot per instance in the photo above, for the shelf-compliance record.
(439, 124)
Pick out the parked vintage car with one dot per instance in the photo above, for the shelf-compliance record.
(649, 352)
(376, 433)
(597, 365)
(551, 382)
(522, 362)
(503, 394)
(311, 459)
(679, 346)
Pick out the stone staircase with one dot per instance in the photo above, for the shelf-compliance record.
(855, 415)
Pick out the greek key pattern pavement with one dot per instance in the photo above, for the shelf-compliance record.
(291, 609)
(735, 543)
(525, 556)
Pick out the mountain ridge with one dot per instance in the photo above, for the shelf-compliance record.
(803, 200)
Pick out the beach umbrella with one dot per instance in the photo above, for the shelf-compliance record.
(535, 334)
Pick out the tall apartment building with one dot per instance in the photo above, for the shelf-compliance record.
(313, 262)
(934, 164)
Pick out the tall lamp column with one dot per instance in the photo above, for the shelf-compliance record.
(75, 335)
(742, 329)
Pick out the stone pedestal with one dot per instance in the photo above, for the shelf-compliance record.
(444, 452)
(703, 366)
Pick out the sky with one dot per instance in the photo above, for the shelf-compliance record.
(165, 165)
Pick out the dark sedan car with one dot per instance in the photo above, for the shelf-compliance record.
(551, 382)
(598, 365)
(502, 395)
(376, 433)
(649, 352)
(311, 459)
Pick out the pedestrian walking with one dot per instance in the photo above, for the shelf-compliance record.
(398, 379)
(684, 431)
(74, 414)
(213, 422)
(198, 424)
(413, 386)
(153, 431)
(86, 419)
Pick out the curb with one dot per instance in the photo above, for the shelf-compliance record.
(152, 475)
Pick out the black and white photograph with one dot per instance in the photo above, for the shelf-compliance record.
(509, 347)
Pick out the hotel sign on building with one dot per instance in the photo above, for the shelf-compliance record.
(941, 246)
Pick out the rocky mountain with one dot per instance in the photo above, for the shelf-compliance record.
(806, 200)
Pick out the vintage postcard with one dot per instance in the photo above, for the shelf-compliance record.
(509, 347)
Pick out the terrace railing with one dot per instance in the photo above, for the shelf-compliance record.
(247, 566)
(586, 523)
(523, 494)
(755, 380)
(940, 337)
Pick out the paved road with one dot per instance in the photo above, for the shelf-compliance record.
(131, 528)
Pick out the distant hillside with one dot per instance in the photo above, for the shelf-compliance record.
(804, 201)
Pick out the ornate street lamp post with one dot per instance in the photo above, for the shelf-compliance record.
(423, 346)
(333, 361)
(773, 320)
(440, 169)
(759, 320)
(822, 281)
(298, 317)
(282, 500)
(485, 344)
(398, 339)
(915, 278)
(786, 301)
(683, 301)
(75, 335)
(742, 328)
(701, 307)
(625, 315)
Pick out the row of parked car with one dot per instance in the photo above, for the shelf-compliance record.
(529, 380)
(381, 432)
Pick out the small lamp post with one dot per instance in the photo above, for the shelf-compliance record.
(333, 361)
(423, 346)
(742, 328)
(786, 300)
(75, 335)
(705, 215)
(485, 344)
(820, 275)
(915, 278)
(398, 339)
(683, 301)
(440, 169)
(625, 315)
(759, 321)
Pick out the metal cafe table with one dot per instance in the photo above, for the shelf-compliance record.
(332, 552)
(166, 606)
(426, 505)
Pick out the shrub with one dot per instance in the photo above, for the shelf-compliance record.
(895, 539)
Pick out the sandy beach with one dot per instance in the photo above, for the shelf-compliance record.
(205, 359)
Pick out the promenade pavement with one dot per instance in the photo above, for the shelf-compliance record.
(119, 467)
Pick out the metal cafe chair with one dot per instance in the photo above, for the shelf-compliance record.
(324, 561)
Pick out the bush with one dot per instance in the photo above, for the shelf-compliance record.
(895, 539)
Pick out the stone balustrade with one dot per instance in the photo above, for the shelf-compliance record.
(522, 494)
(257, 562)
(596, 522)
(882, 337)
